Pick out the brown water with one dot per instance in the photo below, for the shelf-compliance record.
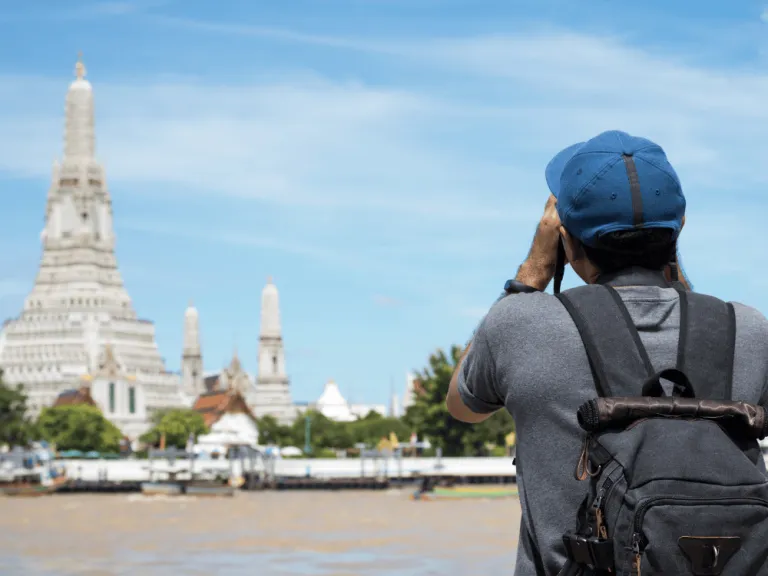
(261, 534)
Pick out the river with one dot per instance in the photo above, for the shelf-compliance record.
(257, 534)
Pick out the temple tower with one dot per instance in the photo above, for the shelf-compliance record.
(272, 393)
(78, 304)
(192, 378)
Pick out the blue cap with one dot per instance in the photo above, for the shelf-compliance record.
(615, 182)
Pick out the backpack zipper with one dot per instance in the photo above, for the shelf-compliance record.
(599, 507)
(638, 540)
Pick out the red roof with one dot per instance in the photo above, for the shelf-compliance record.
(75, 397)
(213, 405)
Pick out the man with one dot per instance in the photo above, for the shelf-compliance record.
(618, 208)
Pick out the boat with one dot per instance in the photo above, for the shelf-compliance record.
(161, 488)
(466, 492)
(209, 488)
(30, 472)
(184, 479)
(31, 487)
(433, 488)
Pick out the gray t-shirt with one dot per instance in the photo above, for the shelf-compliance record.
(527, 356)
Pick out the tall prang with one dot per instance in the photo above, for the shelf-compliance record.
(272, 394)
(78, 318)
(192, 378)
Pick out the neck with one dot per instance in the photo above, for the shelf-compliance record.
(635, 276)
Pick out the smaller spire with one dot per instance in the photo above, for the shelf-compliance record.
(269, 279)
(80, 67)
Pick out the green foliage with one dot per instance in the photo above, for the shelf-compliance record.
(374, 427)
(273, 433)
(15, 428)
(324, 433)
(177, 426)
(79, 427)
(429, 417)
(324, 453)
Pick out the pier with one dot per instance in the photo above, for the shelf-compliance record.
(371, 472)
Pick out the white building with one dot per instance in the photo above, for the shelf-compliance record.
(409, 397)
(334, 406)
(78, 308)
(229, 418)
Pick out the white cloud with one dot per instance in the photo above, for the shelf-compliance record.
(561, 86)
(306, 142)
(234, 238)
(413, 177)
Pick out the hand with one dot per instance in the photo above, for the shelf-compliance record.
(539, 267)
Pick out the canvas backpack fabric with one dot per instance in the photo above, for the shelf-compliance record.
(670, 459)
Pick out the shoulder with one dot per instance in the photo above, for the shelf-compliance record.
(750, 322)
(523, 312)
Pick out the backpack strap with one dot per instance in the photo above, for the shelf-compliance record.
(707, 344)
(619, 361)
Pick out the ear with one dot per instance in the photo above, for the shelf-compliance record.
(571, 252)
(682, 223)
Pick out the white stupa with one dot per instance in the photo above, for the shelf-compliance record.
(332, 404)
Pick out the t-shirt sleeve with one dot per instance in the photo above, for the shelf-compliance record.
(477, 375)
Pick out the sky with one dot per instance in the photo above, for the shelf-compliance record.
(382, 160)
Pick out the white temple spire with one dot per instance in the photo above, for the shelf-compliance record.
(409, 398)
(191, 330)
(78, 308)
(394, 402)
(270, 311)
(79, 138)
(272, 393)
(193, 381)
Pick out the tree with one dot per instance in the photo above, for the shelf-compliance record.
(79, 427)
(177, 425)
(324, 432)
(429, 417)
(271, 432)
(15, 428)
(374, 426)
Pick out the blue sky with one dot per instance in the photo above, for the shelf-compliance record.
(381, 159)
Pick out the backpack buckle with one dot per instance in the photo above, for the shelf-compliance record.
(591, 552)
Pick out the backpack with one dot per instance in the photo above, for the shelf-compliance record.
(674, 482)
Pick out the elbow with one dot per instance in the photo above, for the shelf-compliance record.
(450, 405)
(453, 401)
(460, 411)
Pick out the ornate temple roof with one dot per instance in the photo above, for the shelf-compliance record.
(213, 405)
(75, 397)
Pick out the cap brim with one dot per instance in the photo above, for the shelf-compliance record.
(555, 168)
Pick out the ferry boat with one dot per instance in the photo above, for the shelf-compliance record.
(30, 472)
(466, 492)
(184, 479)
(161, 488)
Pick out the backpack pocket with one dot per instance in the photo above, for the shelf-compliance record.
(699, 536)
